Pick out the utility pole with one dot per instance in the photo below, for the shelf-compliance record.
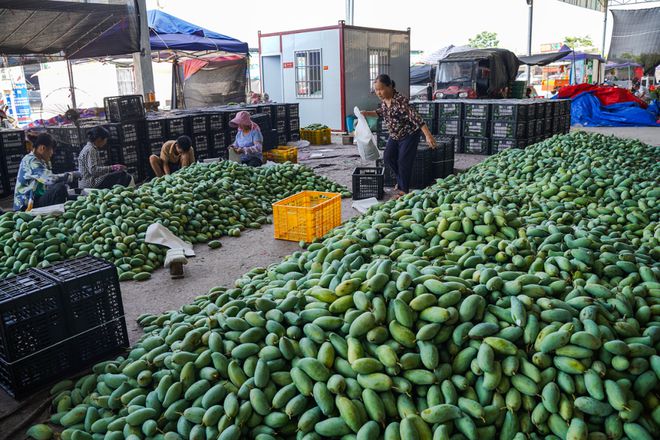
(605, 11)
(530, 20)
(350, 12)
(144, 75)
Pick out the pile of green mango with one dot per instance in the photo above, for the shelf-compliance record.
(519, 300)
(198, 204)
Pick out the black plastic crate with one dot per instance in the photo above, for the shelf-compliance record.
(549, 108)
(450, 127)
(20, 378)
(124, 108)
(476, 128)
(422, 174)
(62, 160)
(547, 126)
(294, 124)
(450, 109)
(281, 127)
(281, 138)
(217, 141)
(477, 110)
(270, 139)
(280, 111)
(203, 146)
(476, 145)
(31, 315)
(497, 145)
(67, 357)
(508, 128)
(12, 138)
(381, 140)
(432, 124)
(100, 342)
(216, 122)
(155, 129)
(263, 121)
(426, 109)
(516, 110)
(293, 136)
(456, 143)
(154, 147)
(389, 178)
(556, 124)
(90, 291)
(368, 182)
(540, 127)
(198, 123)
(540, 109)
(292, 111)
(176, 126)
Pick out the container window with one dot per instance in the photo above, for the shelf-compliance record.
(309, 82)
(379, 62)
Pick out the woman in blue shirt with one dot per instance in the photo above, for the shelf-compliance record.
(249, 141)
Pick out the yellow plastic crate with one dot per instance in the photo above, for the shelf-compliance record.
(306, 215)
(321, 136)
(282, 154)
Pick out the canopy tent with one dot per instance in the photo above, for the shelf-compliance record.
(442, 53)
(171, 33)
(543, 59)
(582, 56)
(54, 30)
(609, 66)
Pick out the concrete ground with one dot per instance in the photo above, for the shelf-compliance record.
(222, 266)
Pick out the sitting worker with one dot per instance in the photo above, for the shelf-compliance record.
(94, 173)
(36, 185)
(249, 141)
(174, 155)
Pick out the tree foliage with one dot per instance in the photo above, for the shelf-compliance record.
(484, 40)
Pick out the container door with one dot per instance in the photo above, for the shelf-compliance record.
(272, 77)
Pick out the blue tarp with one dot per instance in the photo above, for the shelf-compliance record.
(169, 32)
(587, 110)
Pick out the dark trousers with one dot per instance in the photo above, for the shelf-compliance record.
(116, 178)
(400, 157)
(54, 195)
(252, 161)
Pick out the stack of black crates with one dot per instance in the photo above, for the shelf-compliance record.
(58, 320)
(12, 150)
(430, 164)
(135, 136)
(490, 126)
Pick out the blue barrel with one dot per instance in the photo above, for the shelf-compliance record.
(350, 123)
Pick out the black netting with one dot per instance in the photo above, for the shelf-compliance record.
(636, 37)
(37, 30)
(220, 82)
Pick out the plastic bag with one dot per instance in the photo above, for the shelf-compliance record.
(364, 137)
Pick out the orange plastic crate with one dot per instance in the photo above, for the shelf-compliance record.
(282, 154)
(306, 215)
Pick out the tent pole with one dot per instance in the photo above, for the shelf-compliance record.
(144, 74)
(72, 89)
(529, 38)
(605, 8)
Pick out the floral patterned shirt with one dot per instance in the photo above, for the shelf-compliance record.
(400, 117)
(34, 175)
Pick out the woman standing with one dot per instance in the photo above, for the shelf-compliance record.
(405, 126)
(94, 173)
(36, 185)
(249, 140)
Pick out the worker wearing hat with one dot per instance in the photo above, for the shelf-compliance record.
(249, 140)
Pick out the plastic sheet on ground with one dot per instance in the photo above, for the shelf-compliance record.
(363, 205)
(587, 110)
(159, 234)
